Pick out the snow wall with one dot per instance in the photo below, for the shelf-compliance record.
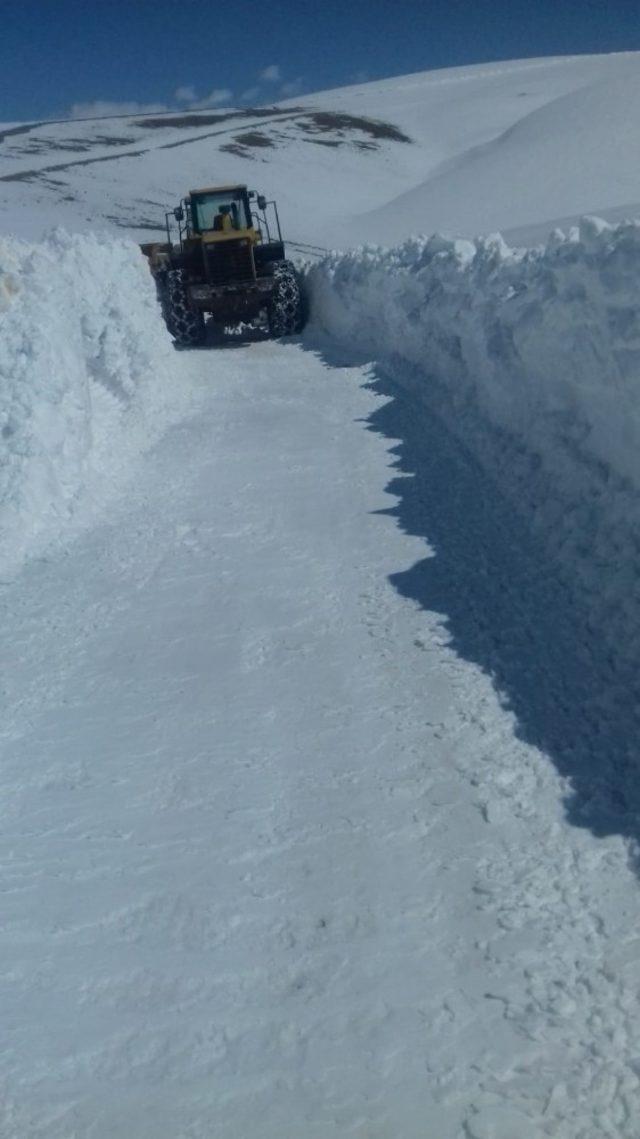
(84, 382)
(532, 358)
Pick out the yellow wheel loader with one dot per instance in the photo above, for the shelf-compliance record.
(228, 261)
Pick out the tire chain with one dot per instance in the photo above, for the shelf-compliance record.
(285, 309)
(185, 324)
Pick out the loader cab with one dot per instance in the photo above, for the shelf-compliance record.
(221, 213)
(220, 210)
(225, 234)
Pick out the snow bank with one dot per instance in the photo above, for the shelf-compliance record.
(533, 358)
(83, 381)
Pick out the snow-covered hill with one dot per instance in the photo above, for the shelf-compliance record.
(468, 150)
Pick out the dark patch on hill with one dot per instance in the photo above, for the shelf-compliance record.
(136, 223)
(19, 130)
(341, 123)
(239, 151)
(185, 122)
(44, 145)
(326, 141)
(182, 121)
(311, 122)
(254, 138)
(110, 140)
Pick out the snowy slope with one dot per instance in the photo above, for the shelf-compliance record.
(124, 173)
(537, 139)
(576, 154)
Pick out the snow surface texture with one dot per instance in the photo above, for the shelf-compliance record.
(83, 381)
(533, 360)
(276, 862)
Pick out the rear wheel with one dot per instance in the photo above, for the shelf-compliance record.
(285, 310)
(185, 323)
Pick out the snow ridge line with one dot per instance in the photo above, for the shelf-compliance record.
(532, 357)
(84, 382)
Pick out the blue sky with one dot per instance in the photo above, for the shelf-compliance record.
(86, 56)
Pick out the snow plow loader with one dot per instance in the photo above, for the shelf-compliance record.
(228, 261)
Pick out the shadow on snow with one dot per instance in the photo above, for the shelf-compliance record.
(508, 610)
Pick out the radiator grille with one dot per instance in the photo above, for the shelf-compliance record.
(228, 262)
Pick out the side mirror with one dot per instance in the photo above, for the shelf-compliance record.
(262, 202)
(252, 193)
(178, 213)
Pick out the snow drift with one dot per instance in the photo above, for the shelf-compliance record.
(83, 369)
(532, 357)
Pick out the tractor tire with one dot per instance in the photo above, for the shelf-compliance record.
(185, 323)
(285, 310)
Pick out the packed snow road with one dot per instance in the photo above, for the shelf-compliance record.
(276, 863)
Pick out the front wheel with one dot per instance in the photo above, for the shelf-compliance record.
(285, 310)
(185, 323)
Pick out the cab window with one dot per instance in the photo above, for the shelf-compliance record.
(222, 210)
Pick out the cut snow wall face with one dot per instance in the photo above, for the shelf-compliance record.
(532, 358)
(83, 379)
